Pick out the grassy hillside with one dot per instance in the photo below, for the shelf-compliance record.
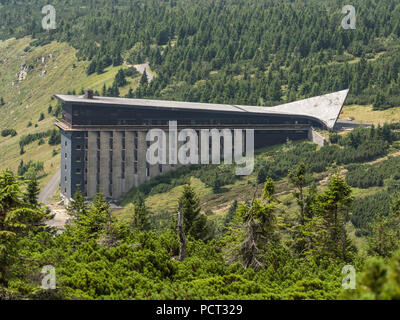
(50, 69)
(366, 114)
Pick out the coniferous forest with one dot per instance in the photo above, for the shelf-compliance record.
(266, 52)
(249, 52)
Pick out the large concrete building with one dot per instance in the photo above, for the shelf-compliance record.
(103, 139)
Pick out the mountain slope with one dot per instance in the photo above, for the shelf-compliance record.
(28, 82)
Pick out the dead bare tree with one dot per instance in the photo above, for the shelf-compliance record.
(249, 248)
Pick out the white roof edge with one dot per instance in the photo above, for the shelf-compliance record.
(325, 108)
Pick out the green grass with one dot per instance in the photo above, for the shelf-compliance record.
(366, 114)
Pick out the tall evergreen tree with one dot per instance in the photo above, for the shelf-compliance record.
(77, 207)
(195, 223)
(140, 219)
(143, 79)
(32, 192)
(333, 206)
(298, 179)
(120, 79)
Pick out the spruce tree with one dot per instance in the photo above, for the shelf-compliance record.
(298, 179)
(333, 206)
(32, 192)
(93, 223)
(77, 207)
(120, 78)
(385, 232)
(143, 79)
(140, 219)
(195, 223)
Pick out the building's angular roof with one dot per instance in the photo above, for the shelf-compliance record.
(325, 108)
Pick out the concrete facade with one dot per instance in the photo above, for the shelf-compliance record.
(103, 140)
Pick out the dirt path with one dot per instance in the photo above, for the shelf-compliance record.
(60, 219)
(141, 67)
(344, 171)
(51, 187)
(396, 154)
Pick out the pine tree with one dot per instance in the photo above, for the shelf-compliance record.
(91, 68)
(298, 180)
(120, 78)
(32, 192)
(258, 228)
(93, 223)
(143, 79)
(386, 232)
(140, 219)
(117, 61)
(130, 93)
(231, 213)
(333, 206)
(194, 222)
(77, 207)
(99, 67)
(16, 221)
(1, 101)
(21, 168)
(55, 137)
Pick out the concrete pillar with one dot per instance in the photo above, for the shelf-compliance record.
(92, 164)
(117, 165)
(129, 161)
(105, 163)
(142, 162)
(167, 167)
(154, 168)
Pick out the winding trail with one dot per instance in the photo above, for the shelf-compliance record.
(142, 67)
(51, 187)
